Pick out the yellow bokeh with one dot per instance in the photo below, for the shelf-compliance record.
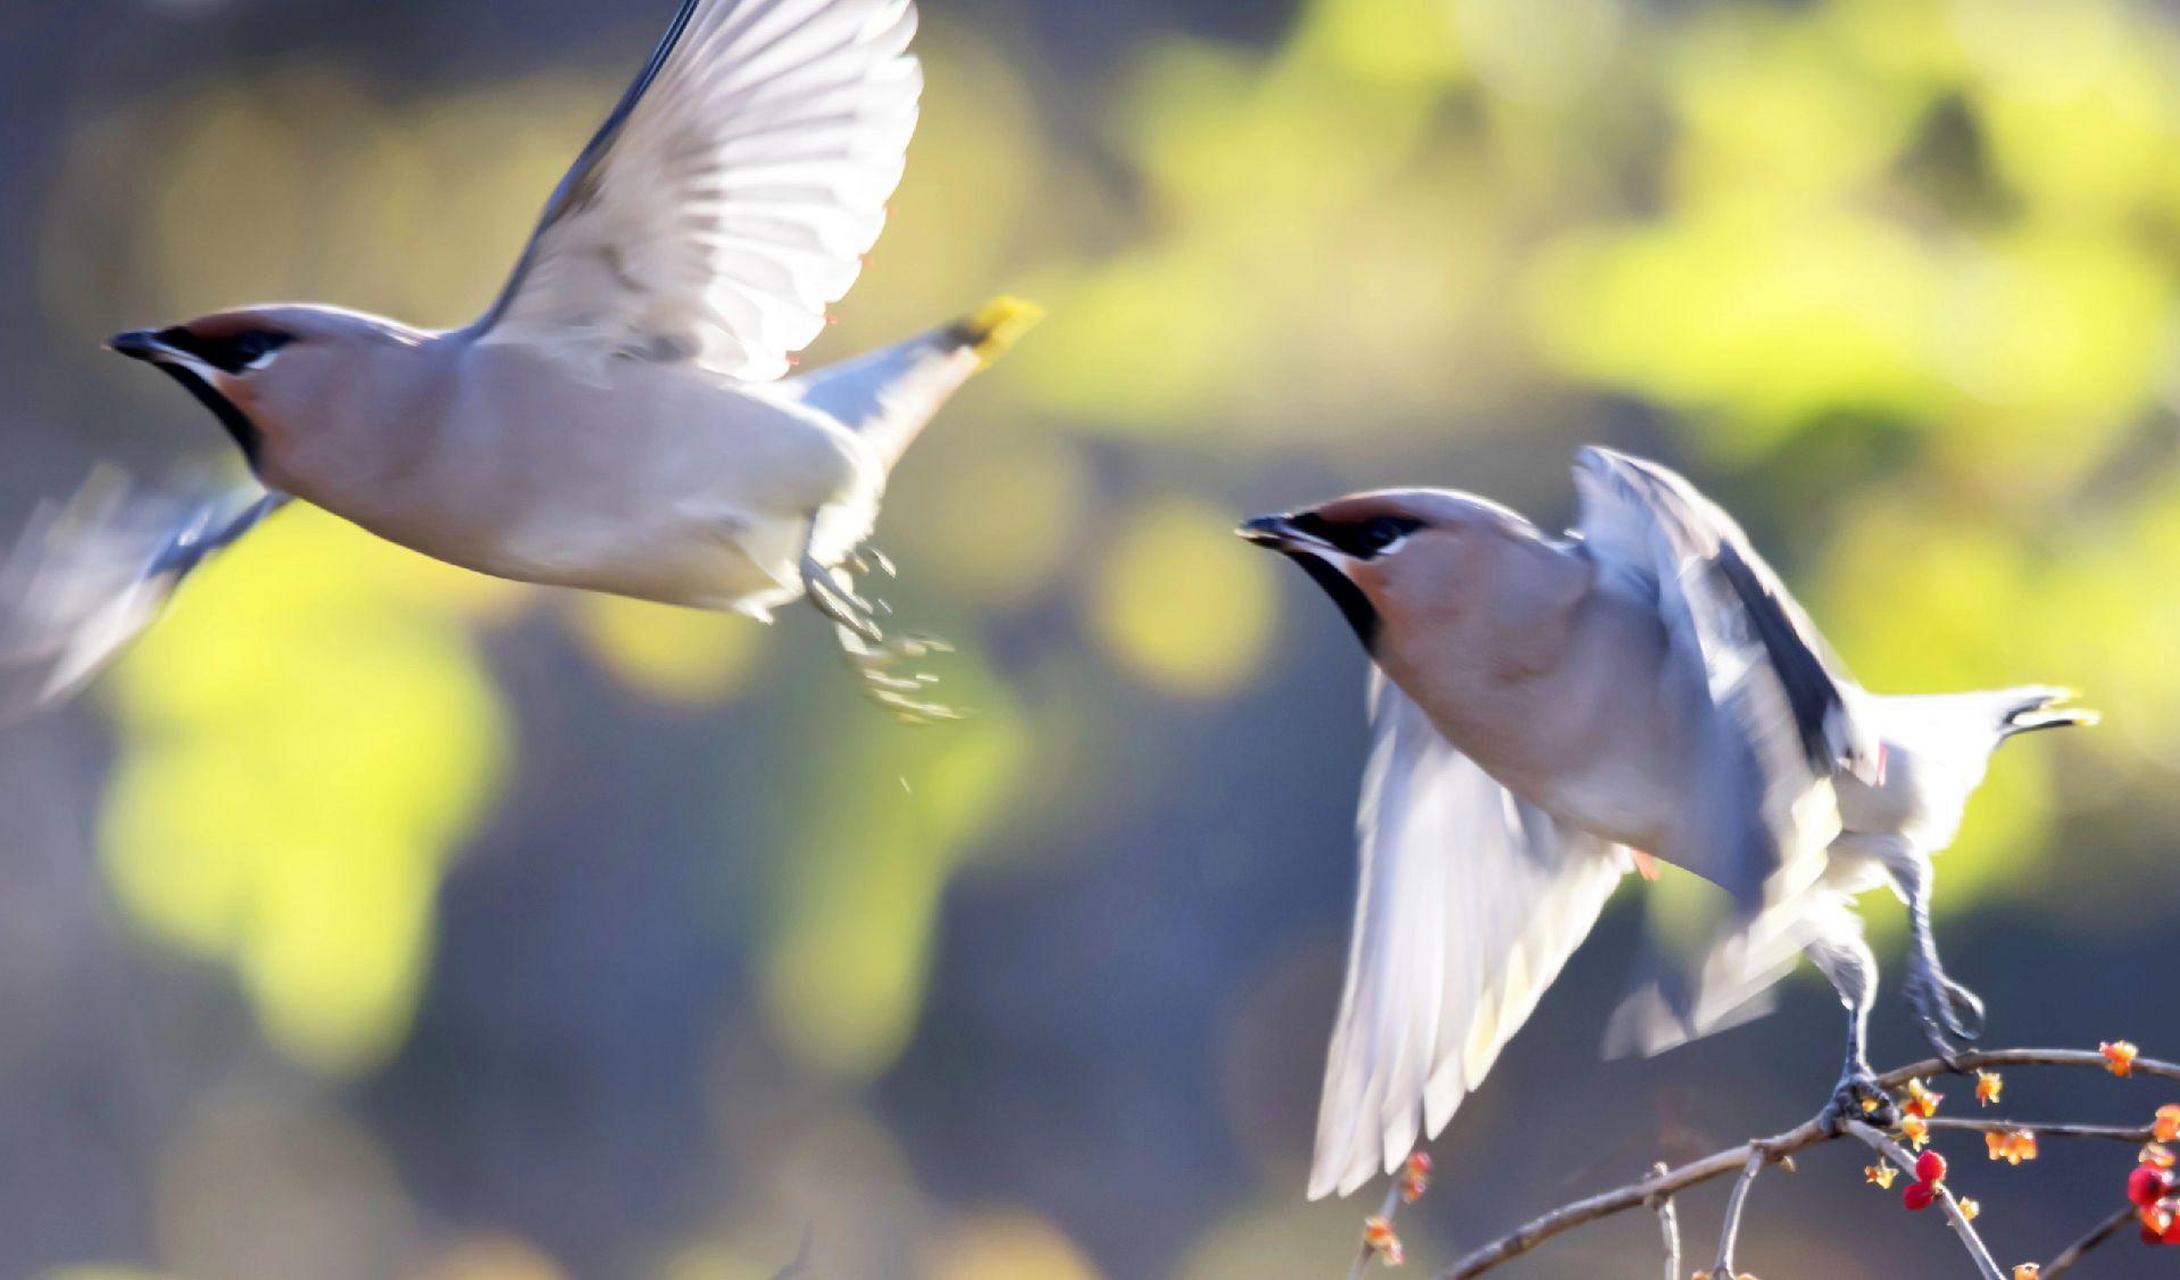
(670, 654)
(1179, 602)
(883, 823)
(496, 1257)
(992, 517)
(308, 736)
(1008, 1245)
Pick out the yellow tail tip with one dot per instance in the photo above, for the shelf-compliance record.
(996, 326)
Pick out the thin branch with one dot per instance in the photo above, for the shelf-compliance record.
(2098, 1234)
(2136, 1134)
(1668, 1226)
(1720, 1164)
(1387, 1211)
(1877, 1141)
(1567, 1217)
(1964, 1063)
(1729, 1234)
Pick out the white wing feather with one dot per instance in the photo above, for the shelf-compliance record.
(1470, 903)
(732, 193)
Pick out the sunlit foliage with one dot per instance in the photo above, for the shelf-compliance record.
(1897, 277)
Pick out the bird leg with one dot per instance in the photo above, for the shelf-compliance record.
(1846, 959)
(869, 652)
(1948, 1011)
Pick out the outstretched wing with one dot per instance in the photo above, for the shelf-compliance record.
(1793, 719)
(1653, 530)
(730, 196)
(88, 577)
(1470, 902)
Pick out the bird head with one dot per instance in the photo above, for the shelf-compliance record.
(263, 371)
(1399, 556)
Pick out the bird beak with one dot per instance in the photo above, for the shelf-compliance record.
(1280, 534)
(142, 344)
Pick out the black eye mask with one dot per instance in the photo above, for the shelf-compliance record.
(234, 353)
(1363, 539)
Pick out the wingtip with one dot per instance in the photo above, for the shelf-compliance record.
(997, 326)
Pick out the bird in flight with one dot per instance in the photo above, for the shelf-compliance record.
(620, 419)
(1548, 712)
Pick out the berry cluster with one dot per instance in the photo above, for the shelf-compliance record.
(2152, 1186)
(1930, 1170)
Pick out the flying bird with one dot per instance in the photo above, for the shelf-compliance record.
(620, 419)
(1548, 711)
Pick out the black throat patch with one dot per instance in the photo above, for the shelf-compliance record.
(245, 433)
(1354, 605)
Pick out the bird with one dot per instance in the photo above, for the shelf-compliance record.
(622, 418)
(1550, 713)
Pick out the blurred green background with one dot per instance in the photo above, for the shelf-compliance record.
(374, 919)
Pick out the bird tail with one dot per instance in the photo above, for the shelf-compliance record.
(887, 396)
(2034, 707)
(995, 327)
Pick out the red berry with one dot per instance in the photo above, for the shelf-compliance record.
(1918, 1196)
(1930, 1167)
(2146, 1185)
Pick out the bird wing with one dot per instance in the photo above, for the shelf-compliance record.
(90, 575)
(731, 194)
(1469, 904)
(1793, 715)
(1649, 527)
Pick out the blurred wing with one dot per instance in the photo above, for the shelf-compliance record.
(1651, 529)
(1470, 902)
(731, 195)
(88, 577)
(1769, 672)
(1680, 994)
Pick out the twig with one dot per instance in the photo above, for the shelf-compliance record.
(1967, 1062)
(1991, 1124)
(1719, 1164)
(2098, 1234)
(1878, 1142)
(1388, 1211)
(1730, 1233)
(1668, 1226)
(1567, 1217)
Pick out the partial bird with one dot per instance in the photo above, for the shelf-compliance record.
(620, 419)
(1546, 712)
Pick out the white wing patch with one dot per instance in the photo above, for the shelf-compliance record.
(1470, 903)
(730, 197)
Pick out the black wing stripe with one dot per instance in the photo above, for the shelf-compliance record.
(1811, 692)
(1804, 671)
(574, 189)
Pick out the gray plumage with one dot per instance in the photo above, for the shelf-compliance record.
(1544, 708)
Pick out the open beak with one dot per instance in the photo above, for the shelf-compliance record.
(1280, 533)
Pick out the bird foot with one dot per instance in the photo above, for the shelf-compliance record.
(1948, 1011)
(833, 593)
(898, 692)
(875, 658)
(1858, 1096)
